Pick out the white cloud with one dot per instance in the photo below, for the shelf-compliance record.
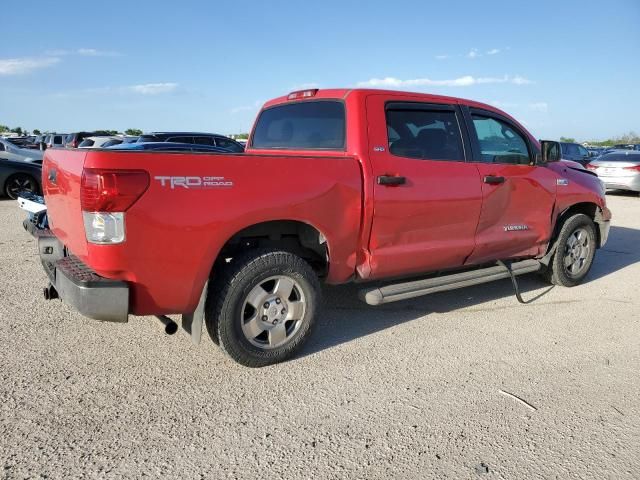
(542, 107)
(518, 80)
(248, 108)
(465, 81)
(442, 57)
(493, 51)
(473, 53)
(539, 107)
(305, 86)
(85, 52)
(152, 88)
(18, 66)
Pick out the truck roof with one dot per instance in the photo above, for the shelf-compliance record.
(343, 93)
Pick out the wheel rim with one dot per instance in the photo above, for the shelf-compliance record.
(577, 252)
(273, 312)
(19, 183)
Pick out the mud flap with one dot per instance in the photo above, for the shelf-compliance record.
(192, 322)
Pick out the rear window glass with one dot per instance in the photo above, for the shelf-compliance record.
(620, 157)
(316, 125)
(86, 143)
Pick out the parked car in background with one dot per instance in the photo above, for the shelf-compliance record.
(9, 151)
(170, 147)
(619, 170)
(211, 139)
(74, 140)
(627, 146)
(118, 141)
(18, 176)
(22, 142)
(99, 142)
(575, 152)
(55, 140)
(595, 151)
(39, 141)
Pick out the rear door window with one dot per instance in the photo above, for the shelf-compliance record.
(429, 134)
(309, 125)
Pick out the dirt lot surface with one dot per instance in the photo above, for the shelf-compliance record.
(408, 390)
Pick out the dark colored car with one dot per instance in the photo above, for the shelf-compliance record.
(627, 146)
(170, 147)
(211, 139)
(73, 140)
(575, 152)
(22, 142)
(16, 177)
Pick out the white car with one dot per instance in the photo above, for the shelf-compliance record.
(98, 142)
(9, 151)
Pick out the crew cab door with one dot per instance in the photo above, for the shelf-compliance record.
(518, 196)
(426, 198)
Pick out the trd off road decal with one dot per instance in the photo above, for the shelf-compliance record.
(194, 182)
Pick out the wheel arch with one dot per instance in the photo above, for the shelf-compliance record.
(295, 236)
(590, 209)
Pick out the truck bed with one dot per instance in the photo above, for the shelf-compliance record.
(194, 204)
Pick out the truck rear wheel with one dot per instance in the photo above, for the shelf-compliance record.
(263, 307)
(574, 253)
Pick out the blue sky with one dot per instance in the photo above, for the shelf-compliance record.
(561, 67)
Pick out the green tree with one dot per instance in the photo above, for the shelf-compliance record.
(37, 132)
(17, 130)
(133, 131)
(568, 139)
(4, 128)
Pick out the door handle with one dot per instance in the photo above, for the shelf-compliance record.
(391, 180)
(493, 180)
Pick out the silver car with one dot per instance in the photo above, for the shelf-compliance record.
(619, 170)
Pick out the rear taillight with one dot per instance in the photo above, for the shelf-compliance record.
(74, 144)
(111, 190)
(635, 168)
(104, 197)
(590, 166)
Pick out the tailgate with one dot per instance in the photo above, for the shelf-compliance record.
(61, 176)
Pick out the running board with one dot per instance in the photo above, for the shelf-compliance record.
(418, 288)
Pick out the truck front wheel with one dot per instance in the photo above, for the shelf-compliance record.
(262, 307)
(576, 247)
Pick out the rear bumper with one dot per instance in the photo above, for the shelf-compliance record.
(80, 287)
(622, 183)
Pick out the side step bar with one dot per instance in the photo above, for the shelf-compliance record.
(418, 288)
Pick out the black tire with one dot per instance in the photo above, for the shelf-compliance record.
(558, 273)
(20, 182)
(228, 311)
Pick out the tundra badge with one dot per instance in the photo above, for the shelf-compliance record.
(515, 228)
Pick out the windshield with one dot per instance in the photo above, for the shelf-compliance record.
(311, 125)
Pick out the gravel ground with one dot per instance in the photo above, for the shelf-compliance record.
(409, 390)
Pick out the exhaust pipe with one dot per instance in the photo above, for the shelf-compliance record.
(50, 292)
(170, 327)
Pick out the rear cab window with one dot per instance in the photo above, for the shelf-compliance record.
(307, 125)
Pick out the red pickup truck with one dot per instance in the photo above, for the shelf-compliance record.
(425, 192)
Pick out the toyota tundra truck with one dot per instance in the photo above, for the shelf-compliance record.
(419, 193)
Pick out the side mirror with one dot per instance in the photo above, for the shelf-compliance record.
(550, 151)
